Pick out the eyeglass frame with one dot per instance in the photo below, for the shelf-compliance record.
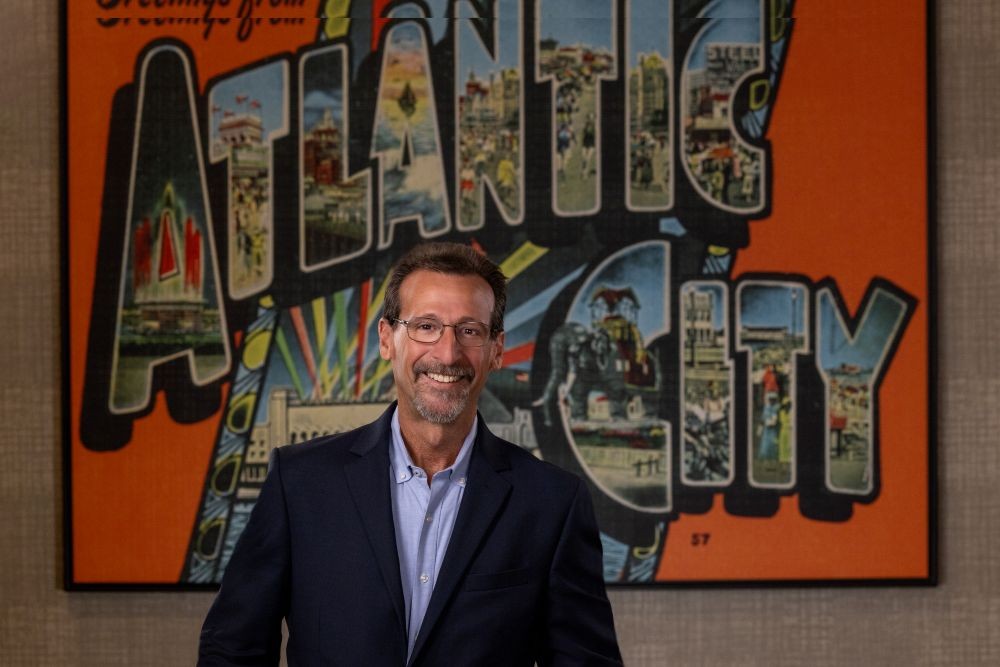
(461, 341)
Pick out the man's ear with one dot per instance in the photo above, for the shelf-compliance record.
(385, 339)
(497, 361)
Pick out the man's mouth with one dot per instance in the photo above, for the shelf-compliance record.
(439, 377)
(446, 375)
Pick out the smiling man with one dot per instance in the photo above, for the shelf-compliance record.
(422, 538)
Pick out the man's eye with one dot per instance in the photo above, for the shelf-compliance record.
(472, 332)
(426, 326)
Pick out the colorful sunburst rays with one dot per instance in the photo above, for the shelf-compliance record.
(329, 346)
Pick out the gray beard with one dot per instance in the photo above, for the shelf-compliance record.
(448, 415)
(452, 409)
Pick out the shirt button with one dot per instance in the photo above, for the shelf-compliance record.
(424, 578)
(428, 518)
(461, 481)
(402, 475)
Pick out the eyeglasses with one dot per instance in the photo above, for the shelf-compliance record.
(430, 330)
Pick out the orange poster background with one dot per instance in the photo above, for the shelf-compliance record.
(850, 202)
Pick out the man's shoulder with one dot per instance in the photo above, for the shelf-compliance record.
(335, 448)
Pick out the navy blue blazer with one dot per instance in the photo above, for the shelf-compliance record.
(520, 583)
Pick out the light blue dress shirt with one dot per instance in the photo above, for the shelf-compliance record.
(423, 516)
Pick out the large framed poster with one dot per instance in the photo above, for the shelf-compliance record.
(714, 215)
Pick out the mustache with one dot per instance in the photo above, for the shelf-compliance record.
(443, 369)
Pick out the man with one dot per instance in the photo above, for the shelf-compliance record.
(420, 539)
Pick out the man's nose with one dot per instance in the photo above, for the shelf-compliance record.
(447, 349)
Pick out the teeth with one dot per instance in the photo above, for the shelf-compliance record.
(437, 377)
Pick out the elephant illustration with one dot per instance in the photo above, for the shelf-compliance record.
(585, 360)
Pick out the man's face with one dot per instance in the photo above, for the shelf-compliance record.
(440, 382)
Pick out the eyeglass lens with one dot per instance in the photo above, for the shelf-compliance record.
(427, 330)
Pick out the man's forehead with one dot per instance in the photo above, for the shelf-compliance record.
(426, 287)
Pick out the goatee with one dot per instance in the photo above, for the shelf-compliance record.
(454, 405)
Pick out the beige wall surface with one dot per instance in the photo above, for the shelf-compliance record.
(957, 623)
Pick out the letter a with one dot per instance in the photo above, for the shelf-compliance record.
(169, 300)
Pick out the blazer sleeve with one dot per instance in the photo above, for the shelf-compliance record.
(580, 627)
(243, 626)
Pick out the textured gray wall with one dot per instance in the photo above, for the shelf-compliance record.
(957, 623)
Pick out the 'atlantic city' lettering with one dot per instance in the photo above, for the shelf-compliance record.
(609, 155)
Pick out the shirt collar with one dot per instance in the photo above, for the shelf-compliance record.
(403, 467)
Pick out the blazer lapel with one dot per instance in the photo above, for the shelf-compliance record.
(368, 482)
(483, 497)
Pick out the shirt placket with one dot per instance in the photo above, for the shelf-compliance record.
(430, 535)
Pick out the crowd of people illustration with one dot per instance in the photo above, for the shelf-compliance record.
(249, 201)
(726, 171)
(772, 436)
(492, 152)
